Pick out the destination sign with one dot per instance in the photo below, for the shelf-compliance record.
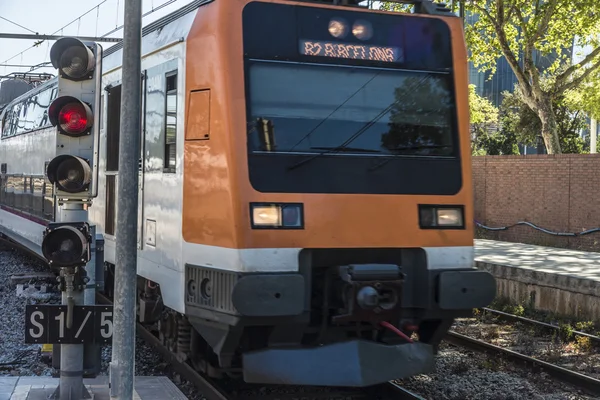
(351, 51)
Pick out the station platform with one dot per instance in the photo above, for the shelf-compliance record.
(40, 387)
(563, 281)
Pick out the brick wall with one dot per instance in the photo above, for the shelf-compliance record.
(560, 193)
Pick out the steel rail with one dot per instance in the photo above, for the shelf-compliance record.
(384, 391)
(534, 322)
(582, 381)
(207, 388)
(399, 393)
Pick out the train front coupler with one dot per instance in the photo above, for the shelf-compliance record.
(368, 293)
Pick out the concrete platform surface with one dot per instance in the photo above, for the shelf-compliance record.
(560, 280)
(578, 264)
(39, 388)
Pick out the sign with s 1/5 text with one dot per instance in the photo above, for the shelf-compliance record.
(47, 324)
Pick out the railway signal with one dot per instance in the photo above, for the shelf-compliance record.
(67, 243)
(75, 114)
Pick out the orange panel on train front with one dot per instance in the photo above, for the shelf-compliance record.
(330, 127)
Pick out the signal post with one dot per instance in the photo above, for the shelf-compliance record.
(67, 243)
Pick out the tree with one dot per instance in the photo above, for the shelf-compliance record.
(525, 30)
(517, 118)
(518, 29)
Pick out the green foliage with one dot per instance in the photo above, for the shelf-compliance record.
(483, 112)
(517, 30)
(536, 38)
(485, 140)
(587, 96)
(518, 118)
(516, 27)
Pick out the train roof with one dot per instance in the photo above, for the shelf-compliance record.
(108, 54)
(161, 23)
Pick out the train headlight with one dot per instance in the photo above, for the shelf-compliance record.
(70, 173)
(338, 28)
(362, 29)
(441, 217)
(67, 244)
(276, 215)
(449, 217)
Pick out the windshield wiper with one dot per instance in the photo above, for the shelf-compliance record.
(366, 126)
(349, 149)
(328, 150)
(416, 147)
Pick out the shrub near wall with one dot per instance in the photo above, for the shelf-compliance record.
(560, 193)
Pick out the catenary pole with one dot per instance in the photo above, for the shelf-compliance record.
(123, 348)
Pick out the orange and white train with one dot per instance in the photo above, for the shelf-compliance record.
(305, 194)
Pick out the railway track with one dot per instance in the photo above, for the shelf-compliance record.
(538, 323)
(584, 382)
(213, 390)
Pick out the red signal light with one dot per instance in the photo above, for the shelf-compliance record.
(72, 118)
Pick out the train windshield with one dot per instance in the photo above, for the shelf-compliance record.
(329, 110)
(304, 108)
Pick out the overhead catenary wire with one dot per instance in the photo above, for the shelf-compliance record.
(118, 28)
(154, 9)
(19, 25)
(58, 30)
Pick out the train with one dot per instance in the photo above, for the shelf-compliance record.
(305, 193)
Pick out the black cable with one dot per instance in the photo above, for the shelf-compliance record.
(547, 231)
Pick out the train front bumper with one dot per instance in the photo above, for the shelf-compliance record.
(354, 363)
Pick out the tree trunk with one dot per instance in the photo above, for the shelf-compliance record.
(549, 127)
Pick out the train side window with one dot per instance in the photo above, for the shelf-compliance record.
(171, 122)
(3, 126)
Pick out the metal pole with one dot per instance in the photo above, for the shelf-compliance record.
(593, 136)
(71, 355)
(124, 318)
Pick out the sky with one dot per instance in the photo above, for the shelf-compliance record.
(48, 16)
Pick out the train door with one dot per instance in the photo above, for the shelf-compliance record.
(113, 126)
(141, 166)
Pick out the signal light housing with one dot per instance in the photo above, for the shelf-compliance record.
(71, 116)
(73, 59)
(71, 174)
(67, 244)
(76, 115)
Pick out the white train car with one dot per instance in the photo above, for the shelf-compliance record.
(27, 143)
(283, 263)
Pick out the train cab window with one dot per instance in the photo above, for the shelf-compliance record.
(171, 122)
